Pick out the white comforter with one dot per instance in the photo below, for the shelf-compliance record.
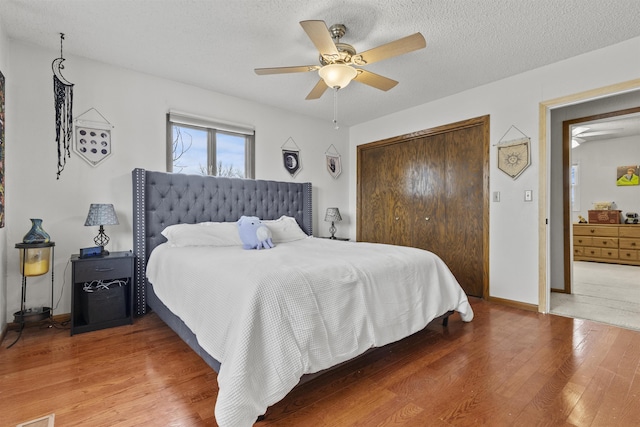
(270, 316)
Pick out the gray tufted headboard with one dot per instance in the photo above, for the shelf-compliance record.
(161, 199)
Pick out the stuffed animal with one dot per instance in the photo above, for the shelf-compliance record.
(254, 234)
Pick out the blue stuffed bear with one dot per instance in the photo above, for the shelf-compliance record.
(254, 234)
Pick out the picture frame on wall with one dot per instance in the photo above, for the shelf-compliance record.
(627, 175)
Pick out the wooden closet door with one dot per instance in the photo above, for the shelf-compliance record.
(428, 174)
(465, 199)
(438, 180)
(386, 215)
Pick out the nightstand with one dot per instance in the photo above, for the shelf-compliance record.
(111, 280)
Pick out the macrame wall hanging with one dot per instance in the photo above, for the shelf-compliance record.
(334, 162)
(63, 102)
(514, 155)
(291, 157)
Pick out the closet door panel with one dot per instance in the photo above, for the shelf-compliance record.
(464, 201)
(429, 183)
(385, 210)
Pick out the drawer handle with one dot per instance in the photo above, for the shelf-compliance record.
(592, 230)
(633, 243)
(604, 243)
(103, 269)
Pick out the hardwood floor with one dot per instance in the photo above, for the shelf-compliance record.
(506, 368)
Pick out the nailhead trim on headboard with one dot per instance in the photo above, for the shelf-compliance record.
(161, 199)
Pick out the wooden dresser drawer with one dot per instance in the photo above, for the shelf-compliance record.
(582, 240)
(628, 255)
(609, 253)
(609, 242)
(591, 251)
(626, 243)
(630, 231)
(595, 230)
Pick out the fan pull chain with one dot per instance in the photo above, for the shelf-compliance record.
(335, 107)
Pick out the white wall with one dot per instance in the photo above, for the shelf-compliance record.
(514, 101)
(598, 162)
(135, 104)
(3, 235)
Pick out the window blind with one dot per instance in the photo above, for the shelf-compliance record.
(180, 118)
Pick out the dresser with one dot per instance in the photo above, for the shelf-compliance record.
(612, 243)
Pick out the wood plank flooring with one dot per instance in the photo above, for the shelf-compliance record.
(506, 368)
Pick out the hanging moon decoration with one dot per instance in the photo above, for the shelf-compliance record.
(63, 102)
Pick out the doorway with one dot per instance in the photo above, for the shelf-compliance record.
(551, 203)
(593, 147)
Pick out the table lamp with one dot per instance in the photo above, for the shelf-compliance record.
(332, 215)
(101, 214)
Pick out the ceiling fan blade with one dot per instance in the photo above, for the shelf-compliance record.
(399, 47)
(284, 70)
(375, 80)
(319, 35)
(601, 132)
(317, 90)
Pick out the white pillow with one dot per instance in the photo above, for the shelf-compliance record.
(285, 229)
(203, 234)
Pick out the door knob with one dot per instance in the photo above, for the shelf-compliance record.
(397, 218)
(426, 219)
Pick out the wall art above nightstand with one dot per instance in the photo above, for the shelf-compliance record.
(92, 137)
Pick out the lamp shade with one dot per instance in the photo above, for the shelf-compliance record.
(101, 214)
(333, 214)
(337, 75)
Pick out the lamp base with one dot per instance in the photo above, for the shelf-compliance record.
(32, 314)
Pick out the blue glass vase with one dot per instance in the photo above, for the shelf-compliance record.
(36, 234)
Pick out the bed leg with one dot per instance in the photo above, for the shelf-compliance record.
(445, 319)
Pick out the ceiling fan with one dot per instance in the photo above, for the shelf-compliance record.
(580, 133)
(339, 61)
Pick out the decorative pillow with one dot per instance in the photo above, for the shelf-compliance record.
(203, 234)
(285, 229)
(253, 233)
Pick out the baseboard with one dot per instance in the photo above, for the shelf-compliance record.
(514, 304)
(58, 318)
(4, 332)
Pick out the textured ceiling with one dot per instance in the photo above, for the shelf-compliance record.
(216, 44)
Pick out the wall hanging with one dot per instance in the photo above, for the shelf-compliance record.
(92, 137)
(63, 93)
(627, 175)
(334, 163)
(514, 155)
(291, 157)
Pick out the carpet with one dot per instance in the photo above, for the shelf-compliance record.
(605, 293)
(46, 421)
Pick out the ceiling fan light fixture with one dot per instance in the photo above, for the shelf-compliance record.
(337, 75)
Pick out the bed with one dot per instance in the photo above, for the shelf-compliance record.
(264, 319)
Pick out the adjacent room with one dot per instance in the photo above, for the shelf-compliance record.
(345, 213)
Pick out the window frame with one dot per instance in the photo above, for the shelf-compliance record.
(213, 128)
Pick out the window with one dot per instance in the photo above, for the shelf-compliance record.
(197, 145)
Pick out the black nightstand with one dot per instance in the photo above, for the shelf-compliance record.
(105, 307)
